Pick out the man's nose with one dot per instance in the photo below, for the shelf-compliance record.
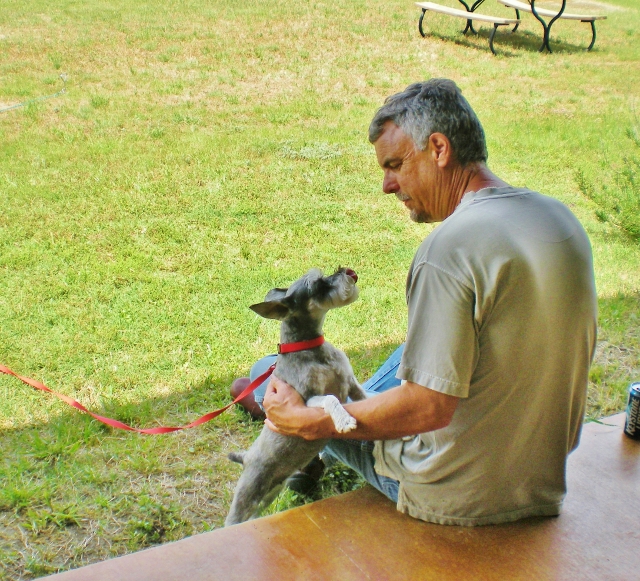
(390, 184)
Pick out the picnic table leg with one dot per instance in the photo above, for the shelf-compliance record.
(420, 23)
(517, 23)
(593, 32)
(545, 29)
(545, 26)
(469, 26)
(564, 5)
(421, 30)
(493, 33)
(470, 22)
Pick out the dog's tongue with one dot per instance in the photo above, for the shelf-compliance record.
(352, 274)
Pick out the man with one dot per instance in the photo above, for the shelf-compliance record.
(501, 333)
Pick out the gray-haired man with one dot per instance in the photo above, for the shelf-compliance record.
(501, 333)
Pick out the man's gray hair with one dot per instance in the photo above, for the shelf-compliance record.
(435, 106)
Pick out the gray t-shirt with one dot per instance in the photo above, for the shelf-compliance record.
(502, 314)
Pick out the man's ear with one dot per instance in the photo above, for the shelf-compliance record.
(271, 309)
(440, 149)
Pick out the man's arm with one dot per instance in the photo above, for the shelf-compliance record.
(405, 410)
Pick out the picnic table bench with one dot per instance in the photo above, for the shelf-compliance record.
(361, 536)
(469, 15)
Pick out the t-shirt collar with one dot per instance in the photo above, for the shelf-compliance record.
(488, 192)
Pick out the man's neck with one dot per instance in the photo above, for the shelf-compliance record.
(471, 178)
(479, 177)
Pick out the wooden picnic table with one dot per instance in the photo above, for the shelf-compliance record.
(528, 6)
(546, 27)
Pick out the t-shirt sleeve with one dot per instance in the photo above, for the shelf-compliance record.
(441, 349)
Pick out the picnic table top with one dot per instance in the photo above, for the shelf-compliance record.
(465, 14)
(360, 536)
(526, 6)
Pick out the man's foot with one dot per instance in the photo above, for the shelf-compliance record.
(248, 402)
(305, 481)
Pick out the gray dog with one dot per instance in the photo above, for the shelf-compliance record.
(322, 375)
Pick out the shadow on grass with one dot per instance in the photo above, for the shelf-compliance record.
(213, 392)
(70, 478)
(73, 482)
(505, 38)
(182, 409)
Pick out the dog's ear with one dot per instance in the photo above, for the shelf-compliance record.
(271, 309)
(276, 294)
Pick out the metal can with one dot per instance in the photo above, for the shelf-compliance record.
(632, 423)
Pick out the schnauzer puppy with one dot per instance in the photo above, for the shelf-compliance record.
(322, 375)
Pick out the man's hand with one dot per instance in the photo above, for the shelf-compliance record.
(287, 413)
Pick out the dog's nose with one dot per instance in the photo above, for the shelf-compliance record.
(352, 274)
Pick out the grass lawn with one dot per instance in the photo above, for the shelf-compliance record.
(204, 152)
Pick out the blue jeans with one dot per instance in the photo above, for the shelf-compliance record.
(356, 454)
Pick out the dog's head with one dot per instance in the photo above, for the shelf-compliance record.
(313, 294)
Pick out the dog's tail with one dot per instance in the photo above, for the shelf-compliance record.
(236, 457)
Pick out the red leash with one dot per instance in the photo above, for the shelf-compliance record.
(287, 348)
(117, 424)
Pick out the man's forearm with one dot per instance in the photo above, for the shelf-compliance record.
(402, 411)
(406, 410)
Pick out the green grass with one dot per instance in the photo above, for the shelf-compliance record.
(618, 202)
(204, 152)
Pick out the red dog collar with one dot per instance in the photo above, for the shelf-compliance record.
(300, 345)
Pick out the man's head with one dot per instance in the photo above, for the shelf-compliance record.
(435, 106)
(427, 138)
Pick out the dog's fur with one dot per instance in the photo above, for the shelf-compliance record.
(322, 371)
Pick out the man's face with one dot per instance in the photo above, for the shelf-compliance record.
(409, 173)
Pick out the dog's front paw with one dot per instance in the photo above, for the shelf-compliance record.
(345, 423)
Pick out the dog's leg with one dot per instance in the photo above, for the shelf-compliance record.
(267, 464)
(252, 488)
(343, 421)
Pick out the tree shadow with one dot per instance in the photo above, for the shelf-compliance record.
(613, 369)
(67, 477)
(180, 409)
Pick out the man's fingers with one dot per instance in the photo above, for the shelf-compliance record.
(277, 382)
(274, 385)
(271, 388)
